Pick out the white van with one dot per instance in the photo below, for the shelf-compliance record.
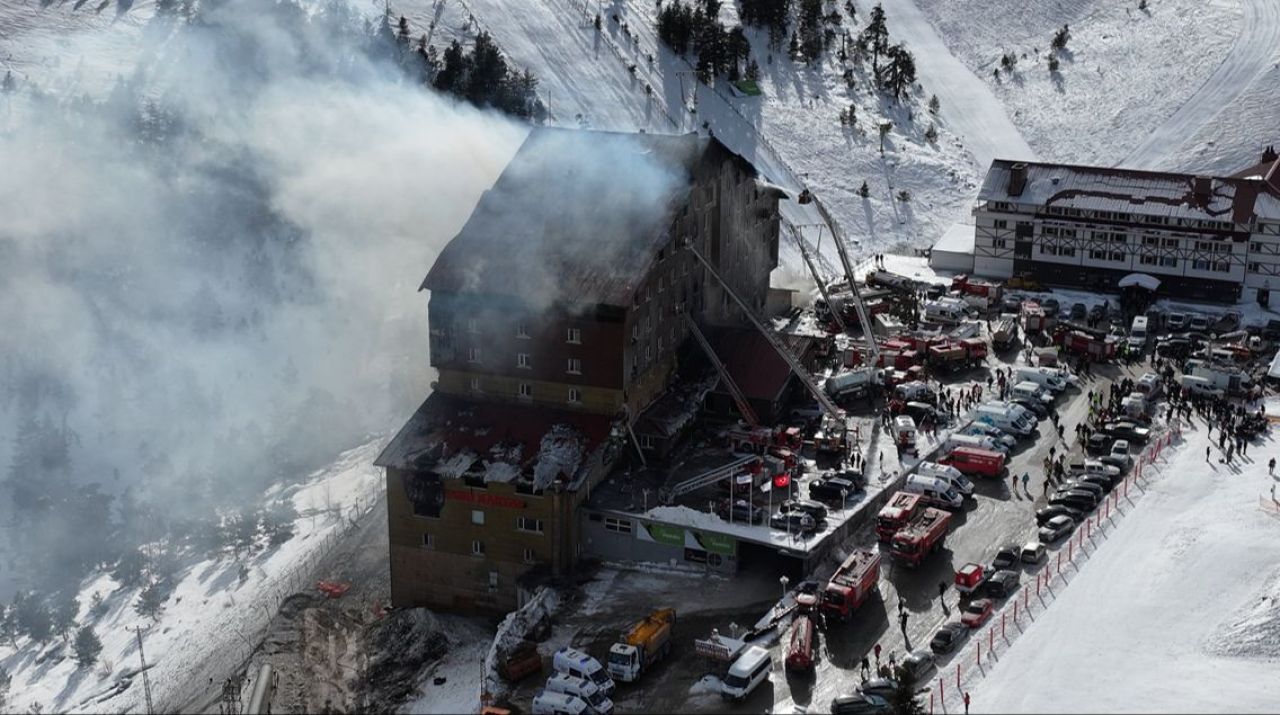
(580, 665)
(748, 671)
(549, 703)
(934, 491)
(1010, 418)
(1028, 390)
(1199, 386)
(945, 310)
(977, 441)
(1045, 377)
(1138, 332)
(953, 476)
(583, 689)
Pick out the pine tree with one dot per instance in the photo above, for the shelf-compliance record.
(1053, 63)
(934, 104)
(793, 47)
(87, 647)
(875, 37)
(904, 196)
(864, 191)
(403, 36)
(931, 134)
(8, 84)
(5, 681)
(900, 72)
(150, 602)
(129, 568)
(63, 613)
(1061, 37)
(452, 77)
(885, 128)
(33, 618)
(9, 630)
(753, 71)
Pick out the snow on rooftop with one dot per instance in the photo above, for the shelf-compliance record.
(1178, 609)
(960, 238)
(561, 452)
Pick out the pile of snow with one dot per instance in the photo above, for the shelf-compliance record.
(560, 453)
(1175, 611)
(708, 685)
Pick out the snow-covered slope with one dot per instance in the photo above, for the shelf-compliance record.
(1178, 610)
(210, 621)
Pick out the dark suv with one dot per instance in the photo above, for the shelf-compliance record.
(829, 490)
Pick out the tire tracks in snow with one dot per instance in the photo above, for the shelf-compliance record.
(1251, 55)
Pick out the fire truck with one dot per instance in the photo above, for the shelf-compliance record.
(901, 508)
(959, 354)
(800, 650)
(977, 293)
(921, 537)
(851, 584)
(1095, 345)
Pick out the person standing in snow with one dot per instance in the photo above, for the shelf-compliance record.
(1271, 467)
(1026, 477)
(966, 703)
(1206, 453)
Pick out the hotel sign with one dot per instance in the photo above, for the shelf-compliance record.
(484, 499)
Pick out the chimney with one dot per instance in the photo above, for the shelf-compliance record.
(1017, 179)
(1200, 187)
(1269, 154)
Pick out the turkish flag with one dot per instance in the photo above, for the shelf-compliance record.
(782, 481)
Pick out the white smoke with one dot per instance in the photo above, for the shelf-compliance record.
(222, 287)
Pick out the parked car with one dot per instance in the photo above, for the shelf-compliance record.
(1005, 557)
(1044, 515)
(948, 637)
(743, 510)
(1120, 451)
(1050, 306)
(1099, 480)
(1036, 406)
(793, 521)
(983, 429)
(1057, 528)
(1089, 500)
(860, 704)
(1097, 491)
(1080, 501)
(1098, 443)
(883, 687)
(1128, 431)
(977, 612)
(1174, 348)
(917, 664)
(1176, 321)
(1227, 322)
(1079, 311)
(1098, 311)
(1198, 323)
(806, 506)
(1034, 552)
(832, 490)
(1002, 583)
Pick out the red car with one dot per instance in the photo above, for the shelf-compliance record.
(977, 613)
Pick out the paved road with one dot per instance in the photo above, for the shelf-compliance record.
(1252, 54)
(998, 517)
(968, 104)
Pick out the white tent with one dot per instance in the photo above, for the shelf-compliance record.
(1142, 280)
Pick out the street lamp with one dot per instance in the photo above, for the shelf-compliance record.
(784, 581)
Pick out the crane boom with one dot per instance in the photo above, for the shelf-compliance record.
(739, 398)
(801, 372)
(873, 350)
(822, 286)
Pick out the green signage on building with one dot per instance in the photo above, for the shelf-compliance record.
(669, 535)
(717, 543)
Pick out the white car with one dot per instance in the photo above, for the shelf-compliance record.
(982, 429)
(1033, 552)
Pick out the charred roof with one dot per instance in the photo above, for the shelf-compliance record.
(577, 216)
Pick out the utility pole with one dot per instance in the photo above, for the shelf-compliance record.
(146, 681)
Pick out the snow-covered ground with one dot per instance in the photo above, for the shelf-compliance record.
(462, 670)
(1177, 610)
(210, 620)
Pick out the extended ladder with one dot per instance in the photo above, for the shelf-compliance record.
(740, 399)
(801, 372)
(822, 286)
(873, 350)
(708, 478)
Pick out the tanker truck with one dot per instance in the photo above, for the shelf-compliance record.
(642, 645)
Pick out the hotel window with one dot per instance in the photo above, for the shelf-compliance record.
(477, 517)
(1150, 241)
(1116, 256)
(575, 396)
(493, 580)
(1170, 243)
(1001, 223)
(475, 384)
(1255, 246)
(471, 326)
(1098, 255)
(1255, 267)
(1168, 262)
(477, 548)
(528, 556)
(659, 344)
(646, 441)
(622, 526)
(575, 336)
(526, 390)
(522, 361)
(1200, 265)
(522, 331)
(428, 541)
(1222, 266)
(575, 366)
(1148, 260)
(1066, 251)
(999, 243)
(473, 354)
(524, 523)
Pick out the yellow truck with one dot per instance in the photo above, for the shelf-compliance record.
(641, 646)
